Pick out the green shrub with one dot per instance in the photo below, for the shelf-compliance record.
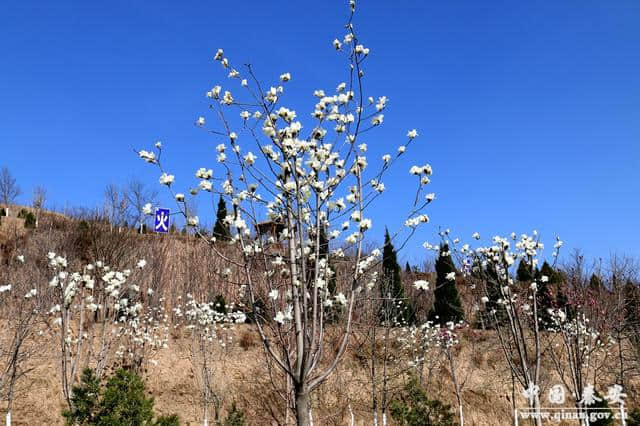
(235, 417)
(122, 402)
(412, 407)
(634, 418)
(257, 310)
(29, 218)
(84, 399)
(220, 304)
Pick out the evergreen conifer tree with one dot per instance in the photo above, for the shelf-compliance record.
(391, 288)
(595, 284)
(220, 229)
(447, 306)
(491, 307)
(545, 299)
(525, 271)
(632, 305)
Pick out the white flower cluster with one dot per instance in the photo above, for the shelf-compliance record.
(421, 285)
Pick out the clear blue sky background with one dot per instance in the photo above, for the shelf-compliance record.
(529, 112)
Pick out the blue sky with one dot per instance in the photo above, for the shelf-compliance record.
(529, 112)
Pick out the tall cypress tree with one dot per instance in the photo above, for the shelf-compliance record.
(545, 299)
(595, 284)
(220, 229)
(524, 272)
(447, 306)
(631, 294)
(494, 311)
(394, 306)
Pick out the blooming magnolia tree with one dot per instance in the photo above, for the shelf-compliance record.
(305, 176)
(21, 312)
(519, 333)
(579, 355)
(211, 330)
(102, 317)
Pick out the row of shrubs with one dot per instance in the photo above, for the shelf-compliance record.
(122, 401)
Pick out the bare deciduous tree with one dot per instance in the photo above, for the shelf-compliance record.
(9, 189)
(39, 199)
(116, 205)
(138, 195)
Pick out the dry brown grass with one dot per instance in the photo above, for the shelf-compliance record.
(245, 379)
(248, 339)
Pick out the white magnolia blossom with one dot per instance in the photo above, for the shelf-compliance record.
(283, 317)
(273, 294)
(341, 299)
(166, 179)
(227, 99)
(249, 158)
(205, 185)
(147, 156)
(415, 221)
(421, 285)
(203, 173)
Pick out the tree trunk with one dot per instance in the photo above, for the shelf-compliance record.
(536, 410)
(353, 419)
(302, 407)
(457, 386)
